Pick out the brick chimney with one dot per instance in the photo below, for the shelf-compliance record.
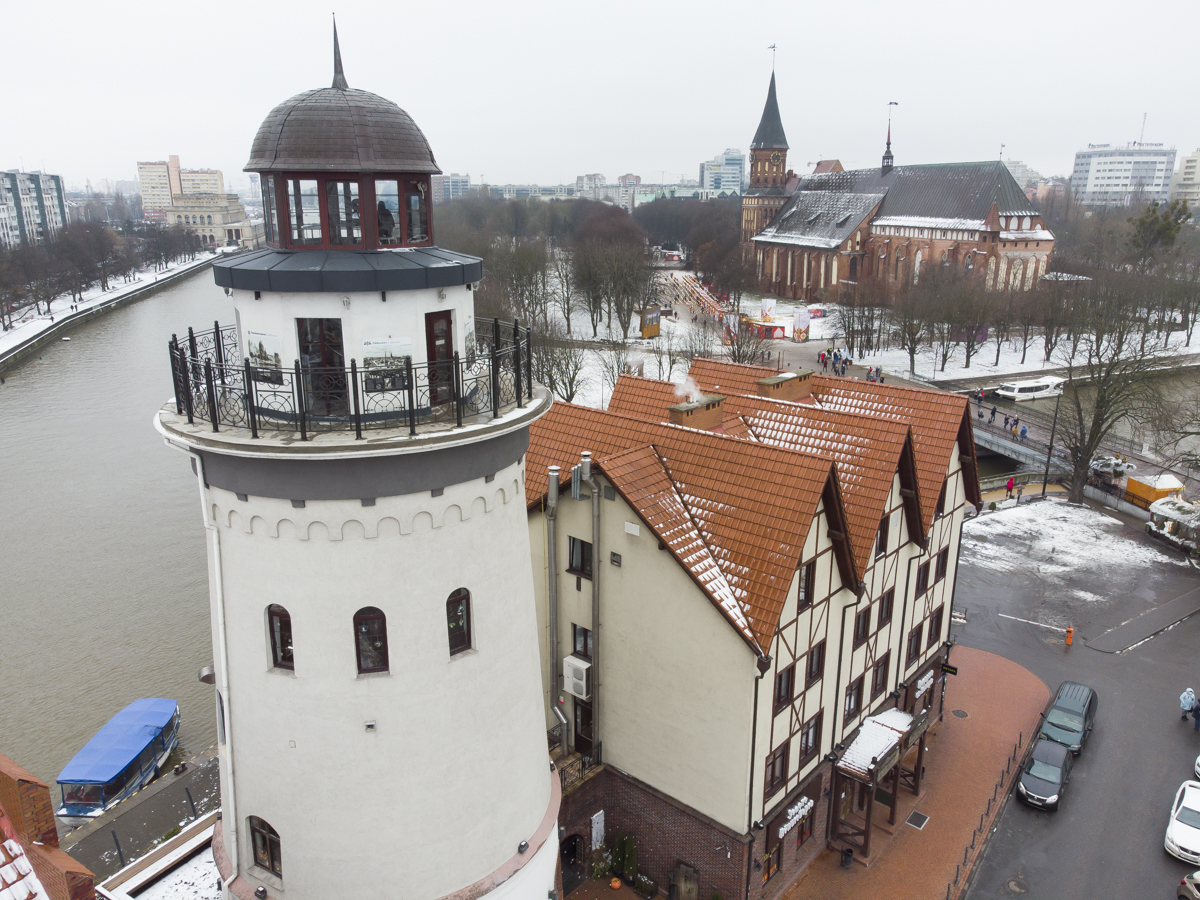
(703, 414)
(791, 386)
(26, 799)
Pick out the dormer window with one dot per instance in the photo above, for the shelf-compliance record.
(341, 202)
(304, 211)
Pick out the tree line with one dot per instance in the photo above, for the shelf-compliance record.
(81, 255)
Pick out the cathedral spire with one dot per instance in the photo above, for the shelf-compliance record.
(339, 79)
(887, 154)
(770, 134)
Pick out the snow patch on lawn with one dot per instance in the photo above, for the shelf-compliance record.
(1059, 539)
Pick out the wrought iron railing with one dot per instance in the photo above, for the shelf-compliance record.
(215, 384)
(573, 771)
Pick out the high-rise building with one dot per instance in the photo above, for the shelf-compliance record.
(32, 207)
(1022, 174)
(725, 173)
(160, 183)
(1118, 174)
(591, 187)
(375, 637)
(450, 187)
(1186, 184)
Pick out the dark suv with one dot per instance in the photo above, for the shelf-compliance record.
(1046, 774)
(1070, 716)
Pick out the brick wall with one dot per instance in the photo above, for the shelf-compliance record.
(666, 832)
(26, 799)
(795, 857)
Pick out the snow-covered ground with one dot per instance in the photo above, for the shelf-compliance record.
(1059, 538)
(196, 879)
(28, 325)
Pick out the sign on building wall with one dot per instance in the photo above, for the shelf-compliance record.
(598, 830)
(386, 353)
(263, 351)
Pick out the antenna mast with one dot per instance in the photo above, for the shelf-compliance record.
(1143, 134)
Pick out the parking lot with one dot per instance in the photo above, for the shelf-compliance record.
(1106, 840)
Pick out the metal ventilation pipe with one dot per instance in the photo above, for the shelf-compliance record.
(552, 597)
(594, 483)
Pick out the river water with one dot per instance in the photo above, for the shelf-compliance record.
(103, 581)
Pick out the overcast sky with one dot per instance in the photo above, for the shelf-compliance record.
(542, 92)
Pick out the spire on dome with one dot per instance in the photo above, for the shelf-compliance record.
(888, 159)
(770, 134)
(339, 78)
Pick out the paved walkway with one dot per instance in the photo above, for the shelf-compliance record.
(966, 756)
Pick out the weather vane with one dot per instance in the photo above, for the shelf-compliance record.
(772, 49)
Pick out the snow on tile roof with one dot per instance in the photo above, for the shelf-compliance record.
(878, 735)
(1034, 234)
(17, 878)
(929, 222)
(937, 419)
(735, 513)
(821, 219)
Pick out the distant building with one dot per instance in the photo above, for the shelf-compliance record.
(32, 207)
(450, 187)
(1113, 175)
(1022, 174)
(219, 219)
(591, 187)
(159, 182)
(1185, 185)
(629, 180)
(724, 173)
(126, 188)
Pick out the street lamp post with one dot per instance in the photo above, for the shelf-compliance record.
(1050, 449)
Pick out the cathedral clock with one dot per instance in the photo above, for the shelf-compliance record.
(776, 157)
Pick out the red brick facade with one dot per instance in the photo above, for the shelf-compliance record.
(667, 832)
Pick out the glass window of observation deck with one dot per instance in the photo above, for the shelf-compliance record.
(304, 211)
(271, 213)
(341, 203)
(417, 208)
(387, 211)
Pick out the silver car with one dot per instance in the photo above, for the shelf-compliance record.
(1189, 888)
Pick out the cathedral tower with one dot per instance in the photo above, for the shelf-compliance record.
(769, 173)
(358, 438)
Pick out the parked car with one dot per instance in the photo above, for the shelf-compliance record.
(1046, 775)
(1189, 887)
(1183, 828)
(1070, 715)
(1196, 767)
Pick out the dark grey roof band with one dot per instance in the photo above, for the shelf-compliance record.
(347, 271)
(355, 479)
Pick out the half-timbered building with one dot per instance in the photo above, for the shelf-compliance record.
(762, 576)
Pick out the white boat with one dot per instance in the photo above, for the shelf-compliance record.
(1033, 389)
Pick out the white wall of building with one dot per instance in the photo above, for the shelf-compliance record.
(455, 773)
(1113, 175)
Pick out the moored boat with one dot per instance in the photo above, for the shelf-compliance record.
(1032, 389)
(122, 757)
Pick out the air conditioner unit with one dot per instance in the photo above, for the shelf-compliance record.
(577, 677)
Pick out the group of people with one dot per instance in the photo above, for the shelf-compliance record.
(1008, 487)
(835, 359)
(1013, 426)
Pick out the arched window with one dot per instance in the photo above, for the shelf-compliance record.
(179, 220)
(266, 846)
(1025, 223)
(969, 261)
(210, 220)
(917, 267)
(896, 274)
(854, 269)
(945, 258)
(458, 620)
(279, 623)
(370, 639)
(187, 220)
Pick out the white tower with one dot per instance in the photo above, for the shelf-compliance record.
(359, 441)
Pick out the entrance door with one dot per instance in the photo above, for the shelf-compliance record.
(574, 863)
(687, 882)
(439, 345)
(323, 364)
(583, 726)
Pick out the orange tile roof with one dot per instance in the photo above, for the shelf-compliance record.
(867, 450)
(719, 375)
(940, 422)
(733, 512)
(645, 398)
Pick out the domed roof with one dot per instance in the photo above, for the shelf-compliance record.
(340, 129)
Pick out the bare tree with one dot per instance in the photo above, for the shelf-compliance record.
(746, 347)
(909, 324)
(614, 362)
(559, 363)
(564, 293)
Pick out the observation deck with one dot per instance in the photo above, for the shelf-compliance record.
(225, 404)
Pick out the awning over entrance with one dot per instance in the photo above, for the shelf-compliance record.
(877, 747)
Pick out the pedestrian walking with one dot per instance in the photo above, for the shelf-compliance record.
(980, 414)
(1014, 431)
(845, 362)
(979, 399)
(1020, 491)
(992, 418)
(824, 363)
(1006, 422)
(1008, 486)
(881, 379)
(1196, 716)
(1186, 701)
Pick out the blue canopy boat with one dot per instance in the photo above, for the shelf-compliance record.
(123, 756)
